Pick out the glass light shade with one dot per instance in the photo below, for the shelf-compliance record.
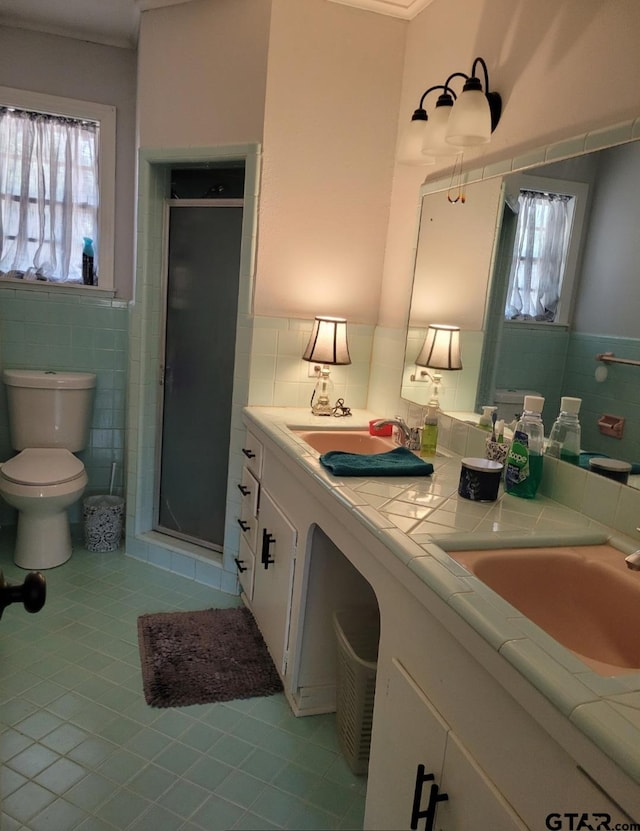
(470, 120)
(410, 147)
(328, 342)
(441, 349)
(435, 130)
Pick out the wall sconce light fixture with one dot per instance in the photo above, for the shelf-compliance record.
(458, 121)
(327, 347)
(440, 351)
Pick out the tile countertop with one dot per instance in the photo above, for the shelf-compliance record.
(418, 518)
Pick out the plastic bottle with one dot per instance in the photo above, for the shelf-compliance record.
(564, 439)
(87, 261)
(485, 422)
(429, 440)
(524, 462)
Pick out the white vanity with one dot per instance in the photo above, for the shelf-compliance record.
(480, 718)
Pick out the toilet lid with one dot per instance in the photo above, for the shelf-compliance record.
(42, 466)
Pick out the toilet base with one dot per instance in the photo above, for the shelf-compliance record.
(42, 541)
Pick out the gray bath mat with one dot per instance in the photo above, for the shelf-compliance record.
(203, 657)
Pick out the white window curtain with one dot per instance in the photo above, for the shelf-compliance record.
(539, 254)
(48, 195)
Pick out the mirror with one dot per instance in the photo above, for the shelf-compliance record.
(463, 258)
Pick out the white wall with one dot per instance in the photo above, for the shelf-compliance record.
(333, 87)
(89, 72)
(202, 73)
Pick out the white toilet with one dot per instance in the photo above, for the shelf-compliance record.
(49, 420)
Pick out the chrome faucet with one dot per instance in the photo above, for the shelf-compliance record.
(406, 436)
(633, 560)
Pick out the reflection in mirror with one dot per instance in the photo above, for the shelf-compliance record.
(464, 259)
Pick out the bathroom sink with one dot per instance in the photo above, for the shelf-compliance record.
(351, 441)
(583, 596)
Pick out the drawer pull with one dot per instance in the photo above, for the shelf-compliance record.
(240, 566)
(248, 453)
(267, 540)
(429, 813)
(244, 490)
(244, 525)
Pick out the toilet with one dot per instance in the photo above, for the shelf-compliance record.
(49, 420)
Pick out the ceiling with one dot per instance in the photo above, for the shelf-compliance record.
(115, 22)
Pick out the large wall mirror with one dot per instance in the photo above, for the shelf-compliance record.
(465, 256)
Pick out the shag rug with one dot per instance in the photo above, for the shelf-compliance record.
(203, 657)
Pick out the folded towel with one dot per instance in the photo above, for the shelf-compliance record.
(397, 462)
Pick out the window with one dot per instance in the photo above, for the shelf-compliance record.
(545, 252)
(56, 189)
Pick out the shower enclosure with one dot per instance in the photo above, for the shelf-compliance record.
(203, 239)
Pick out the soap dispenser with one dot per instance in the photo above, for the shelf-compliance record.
(429, 440)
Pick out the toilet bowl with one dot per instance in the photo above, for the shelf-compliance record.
(49, 421)
(41, 483)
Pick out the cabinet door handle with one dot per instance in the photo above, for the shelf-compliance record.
(244, 490)
(248, 453)
(240, 566)
(267, 540)
(244, 525)
(429, 814)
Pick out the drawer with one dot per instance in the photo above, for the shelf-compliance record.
(252, 454)
(245, 562)
(249, 488)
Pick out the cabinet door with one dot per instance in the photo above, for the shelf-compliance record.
(273, 578)
(408, 732)
(420, 776)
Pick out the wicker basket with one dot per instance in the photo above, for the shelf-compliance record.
(357, 634)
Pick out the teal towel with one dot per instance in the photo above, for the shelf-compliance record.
(397, 462)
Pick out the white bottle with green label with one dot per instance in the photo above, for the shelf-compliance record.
(524, 462)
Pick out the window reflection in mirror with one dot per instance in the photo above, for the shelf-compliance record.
(553, 358)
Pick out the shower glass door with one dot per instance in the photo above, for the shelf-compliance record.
(203, 264)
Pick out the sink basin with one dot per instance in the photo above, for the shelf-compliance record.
(351, 441)
(583, 596)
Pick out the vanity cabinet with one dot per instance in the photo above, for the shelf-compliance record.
(267, 552)
(431, 782)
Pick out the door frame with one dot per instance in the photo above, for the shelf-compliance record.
(154, 174)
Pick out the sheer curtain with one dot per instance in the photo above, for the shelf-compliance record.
(542, 236)
(48, 195)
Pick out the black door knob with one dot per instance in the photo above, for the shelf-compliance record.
(32, 593)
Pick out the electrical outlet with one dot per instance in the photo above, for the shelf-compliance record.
(313, 370)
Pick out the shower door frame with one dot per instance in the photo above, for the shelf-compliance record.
(168, 204)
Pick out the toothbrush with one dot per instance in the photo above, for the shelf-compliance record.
(494, 418)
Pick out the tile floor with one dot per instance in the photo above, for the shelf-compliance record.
(81, 750)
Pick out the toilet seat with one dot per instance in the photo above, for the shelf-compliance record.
(42, 466)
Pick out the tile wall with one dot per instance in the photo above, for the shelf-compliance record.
(73, 330)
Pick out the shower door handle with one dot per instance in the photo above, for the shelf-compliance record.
(267, 540)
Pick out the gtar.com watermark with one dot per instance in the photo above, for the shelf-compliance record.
(587, 822)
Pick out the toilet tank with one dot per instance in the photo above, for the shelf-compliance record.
(49, 409)
(509, 403)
